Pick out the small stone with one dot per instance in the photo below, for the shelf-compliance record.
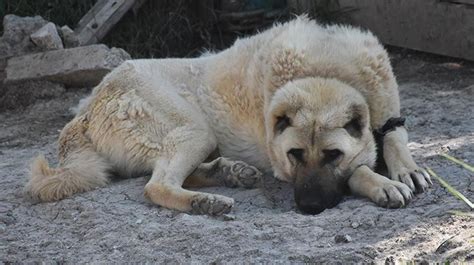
(139, 221)
(342, 239)
(47, 38)
(3, 228)
(355, 225)
(70, 39)
(228, 217)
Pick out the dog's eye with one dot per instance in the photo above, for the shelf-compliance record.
(282, 123)
(354, 127)
(296, 154)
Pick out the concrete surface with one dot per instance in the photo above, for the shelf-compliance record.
(81, 66)
(47, 37)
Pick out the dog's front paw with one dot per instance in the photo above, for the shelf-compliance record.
(240, 174)
(400, 164)
(416, 178)
(392, 194)
(211, 204)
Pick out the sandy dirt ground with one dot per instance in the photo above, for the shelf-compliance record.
(116, 223)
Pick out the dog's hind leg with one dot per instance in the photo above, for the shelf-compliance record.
(224, 172)
(190, 147)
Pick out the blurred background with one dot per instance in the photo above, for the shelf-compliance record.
(181, 28)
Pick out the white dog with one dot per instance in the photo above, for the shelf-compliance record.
(299, 100)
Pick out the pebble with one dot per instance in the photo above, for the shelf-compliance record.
(342, 239)
(228, 217)
(139, 221)
(355, 225)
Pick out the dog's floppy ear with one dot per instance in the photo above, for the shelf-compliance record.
(282, 122)
(286, 64)
(358, 120)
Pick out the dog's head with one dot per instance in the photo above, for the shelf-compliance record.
(317, 135)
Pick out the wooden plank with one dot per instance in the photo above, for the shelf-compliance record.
(466, 2)
(426, 25)
(101, 18)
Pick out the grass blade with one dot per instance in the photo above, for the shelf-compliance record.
(450, 188)
(461, 213)
(459, 162)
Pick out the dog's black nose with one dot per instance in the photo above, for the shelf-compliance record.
(315, 204)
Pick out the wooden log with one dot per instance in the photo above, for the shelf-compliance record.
(101, 18)
(467, 2)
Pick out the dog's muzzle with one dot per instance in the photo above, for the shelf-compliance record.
(313, 199)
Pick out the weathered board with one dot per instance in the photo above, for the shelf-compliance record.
(96, 23)
(440, 27)
(468, 2)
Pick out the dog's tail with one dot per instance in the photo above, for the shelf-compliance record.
(82, 170)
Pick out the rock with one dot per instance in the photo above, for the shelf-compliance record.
(355, 225)
(47, 38)
(80, 67)
(228, 217)
(16, 37)
(342, 239)
(70, 39)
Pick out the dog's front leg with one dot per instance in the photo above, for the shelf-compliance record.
(381, 190)
(400, 164)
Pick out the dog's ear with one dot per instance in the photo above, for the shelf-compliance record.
(281, 123)
(286, 64)
(357, 120)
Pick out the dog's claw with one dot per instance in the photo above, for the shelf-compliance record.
(393, 194)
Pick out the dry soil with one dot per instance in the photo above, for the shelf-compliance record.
(116, 224)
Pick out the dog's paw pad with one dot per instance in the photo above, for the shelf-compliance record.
(211, 204)
(243, 175)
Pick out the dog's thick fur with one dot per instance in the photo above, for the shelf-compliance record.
(299, 100)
